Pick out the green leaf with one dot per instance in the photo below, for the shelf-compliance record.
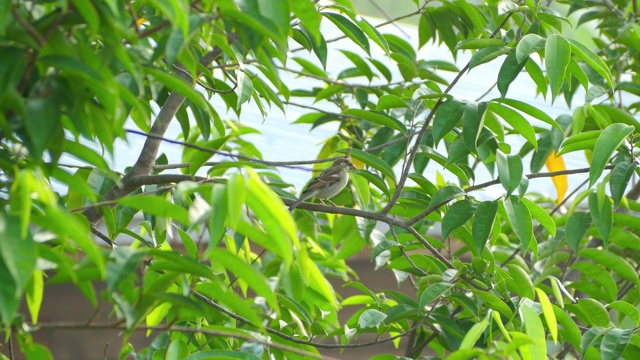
(627, 309)
(600, 278)
(35, 351)
(124, 263)
(533, 328)
(520, 219)
(557, 56)
(305, 10)
(620, 177)
(578, 74)
(431, 293)
(457, 215)
(255, 279)
(576, 227)
(446, 194)
(217, 221)
(188, 243)
(372, 161)
(593, 60)
(570, 331)
(345, 233)
(610, 139)
(487, 54)
(85, 153)
(365, 290)
(613, 262)
(35, 292)
(529, 44)
(372, 178)
(379, 118)
(494, 302)
(17, 263)
(359, 62)
(509, 71)
(183, 88)
(532, 111)
(310, 68)
(583, 141)
(522, 283)
(601, 214)
(270, 211)
(371, 318)
(510, 171)
(382, 246)
(178, 349)
(478, 43)
(594, 313)
(72, 65)
(537, 76)
(473, 335)
(244, 89)
(472, 123)
(351, 30)
(157, 206)
(516, 120)
(74, 227)
(446, 118)
(196, 157)
(590, 337)
(236, 196)
(483, 223)
(371, 31)
(382, 69)
(389, 101)
(42, 123)
(614, 343)
(222, 355)
(541, 215)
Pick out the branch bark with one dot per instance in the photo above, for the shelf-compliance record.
(146, 160)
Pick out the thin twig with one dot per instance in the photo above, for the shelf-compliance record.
(425, 126)
(221, 153)
(496, 182)
(185, 329)
(296, 340)
(265, 162)
(404, 253)
(152, 191)
(27, 25)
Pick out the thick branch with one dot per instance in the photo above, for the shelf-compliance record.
(146, 160)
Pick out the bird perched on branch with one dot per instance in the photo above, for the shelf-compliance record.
(328, 184)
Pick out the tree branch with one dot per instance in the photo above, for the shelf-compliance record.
(114, 202)
(425, 127)
(296, 340)
(201, 330)
(146, 160)
(30, 29)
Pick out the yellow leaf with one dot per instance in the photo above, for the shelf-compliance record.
(141, 21)
(560, 181)
(357, 163)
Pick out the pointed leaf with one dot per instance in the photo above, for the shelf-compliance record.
(520, 219)
(610, 139)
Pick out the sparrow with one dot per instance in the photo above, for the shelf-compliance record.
(328, 184)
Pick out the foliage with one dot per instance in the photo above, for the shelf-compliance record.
(529, 276)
